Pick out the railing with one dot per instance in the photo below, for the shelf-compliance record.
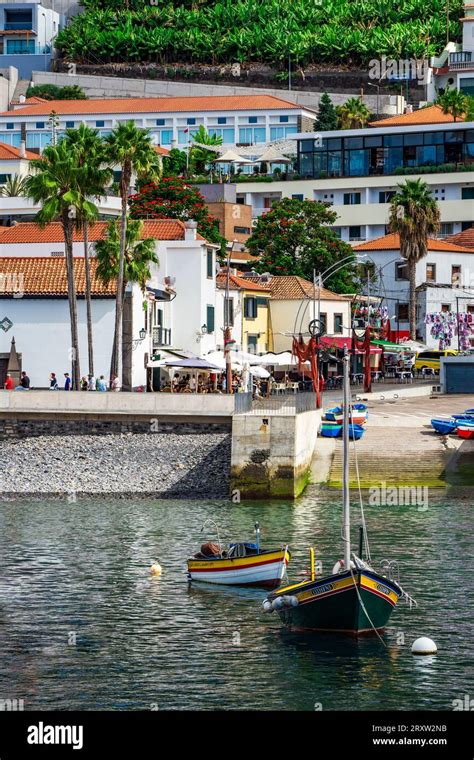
(161, 336)
(26, 26)
(32, 50)
(284, 404)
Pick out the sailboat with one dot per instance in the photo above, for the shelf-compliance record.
(354, 599)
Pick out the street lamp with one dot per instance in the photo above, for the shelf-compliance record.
(142, 334)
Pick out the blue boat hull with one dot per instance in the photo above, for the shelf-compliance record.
(444, 426)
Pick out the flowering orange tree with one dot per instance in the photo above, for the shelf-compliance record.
(172, 198)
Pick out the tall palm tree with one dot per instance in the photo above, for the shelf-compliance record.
(130, 148)
(453, 102)
(200, 156)
(90, 151)
(353, 114)
(139, 255)
(57, 184)
(414, 214)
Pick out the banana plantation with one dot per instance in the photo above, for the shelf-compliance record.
(329, 32)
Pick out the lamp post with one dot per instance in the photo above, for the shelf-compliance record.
(45, 58)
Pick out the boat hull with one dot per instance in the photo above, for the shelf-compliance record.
(354, 604)
(465, 431)
(266, 569)
(444, 426)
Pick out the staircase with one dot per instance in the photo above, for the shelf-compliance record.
(407, 457)
(20, 89)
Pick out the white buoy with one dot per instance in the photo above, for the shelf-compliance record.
(294, 601)
(267, 606)
(277, 603)
(155, 569)
(424, 645)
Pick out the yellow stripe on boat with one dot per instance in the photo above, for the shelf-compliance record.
(378, 587)
(238, 562)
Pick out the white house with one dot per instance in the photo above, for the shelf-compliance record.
(444, 279)
(176, 311)
(454, 67)
(238, 119)
(27, 31)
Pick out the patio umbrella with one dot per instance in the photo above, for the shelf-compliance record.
(273, 156)
(193, 364)
(231, 157)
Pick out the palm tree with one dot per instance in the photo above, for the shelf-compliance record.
(139, 254)
(90, 151)
(57, 184)
(453, 102)
(353, 114)
(200, 156)
(130, 148)
(414, 214)
(14, 187)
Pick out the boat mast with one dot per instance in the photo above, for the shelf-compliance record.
(346, 531)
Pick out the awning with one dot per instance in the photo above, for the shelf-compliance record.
(339, 342)
(192, 364)
(395, 346)
(159, 295)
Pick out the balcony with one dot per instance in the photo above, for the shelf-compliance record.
(161, 336)
(25, 26)
(459, 61)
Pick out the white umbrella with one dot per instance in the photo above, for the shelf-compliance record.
(260, 372)
(231, 157)
(272, 156)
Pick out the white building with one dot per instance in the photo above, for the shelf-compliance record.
(34, 309)
(444, 279)
(357, 172)
(454, 68)
(27, 31)
(238, 119)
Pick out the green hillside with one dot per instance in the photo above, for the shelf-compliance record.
(328, 32)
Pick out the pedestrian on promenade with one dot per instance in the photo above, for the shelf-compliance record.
(115, 385)
(84, 384)
(67, 382)
(8, 385)
(101, 384)
(24, 380)
(90, 382)
(53, 382)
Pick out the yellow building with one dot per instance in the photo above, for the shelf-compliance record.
(248, 311)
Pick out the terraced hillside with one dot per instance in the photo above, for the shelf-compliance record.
(310, 32)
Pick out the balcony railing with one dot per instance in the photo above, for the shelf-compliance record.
(18, 26)
(161, 336)
(461, 60)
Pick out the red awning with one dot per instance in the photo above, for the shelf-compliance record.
(346, 343)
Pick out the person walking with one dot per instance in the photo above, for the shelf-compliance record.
(53, 382)
(101, 384)
(25, 380)
(67, 382)
(90, 383)
(8, 385)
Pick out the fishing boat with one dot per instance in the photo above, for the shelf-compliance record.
(354, 598)
(330, 429)
(465, 429)
(240, 563)
(444, 426)
(358, 414)
(356, 432)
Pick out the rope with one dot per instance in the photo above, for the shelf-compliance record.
(364, 608)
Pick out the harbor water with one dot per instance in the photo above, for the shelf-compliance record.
(84, 625)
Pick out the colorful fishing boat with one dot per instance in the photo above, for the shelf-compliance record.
(354, 598)
(465, 430)
(241, 563)
(445, 427)
(358, 414)
(355, 432)
(330, 429)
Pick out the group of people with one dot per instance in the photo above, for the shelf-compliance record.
(89, 383)
(24, 384)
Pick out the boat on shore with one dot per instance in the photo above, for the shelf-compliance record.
(445, 427)
(358, 414)
(240, 563)
(330, 429)
(465, 430)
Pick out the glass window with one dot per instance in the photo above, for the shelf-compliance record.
(454, 137)
(337, 324)
(323, 317)
(306, 146)
(335, 163)
(353, 143)
(69, 125)
(434, 138)
(356, 163)
(40, 125)
(355, 233)
(402, 312)
(351, 199)
(467, 193)
(283, 119)
(250, 307)
(20, 46)
(11, 138)
(431, 273)
(393, 141)
(469, 135)
(227, 134)
(4, 178)
(252, 344)
(222, 120)
(252, 134)
(385, 196)
(413, 139)
(306, 165)
(38, 139)
(185, 135)
(373, 142)
(252, 120)
(229, 311)
(100, 123)
(298, 196)
(191, 121)
(160, 122)
(456, 275)
(334, 143)
(10, 125)
(425, 155)
(279, 133)
(165, 136)
(401, 270)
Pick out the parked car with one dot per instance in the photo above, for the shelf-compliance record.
(432, 359)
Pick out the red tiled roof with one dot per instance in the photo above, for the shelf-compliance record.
(45, 276)
(161, 151)
(392, 243)
(292, 288)
(429, 115)
(239, 283)
(10, 153)
(29, 232)
(195, 104)
(464, 238)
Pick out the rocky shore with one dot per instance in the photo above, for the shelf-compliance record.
(160, 464)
